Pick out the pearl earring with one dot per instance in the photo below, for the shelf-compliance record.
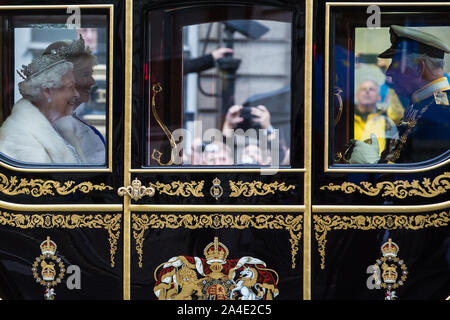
(49, 100)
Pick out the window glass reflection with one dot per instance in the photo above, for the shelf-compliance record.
(393, 91)
(236, 93)
(58, 109)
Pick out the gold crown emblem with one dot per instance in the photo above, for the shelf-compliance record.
(216, 251)
(389, 273)
(389, 249)
(48, 247)
(48, 271)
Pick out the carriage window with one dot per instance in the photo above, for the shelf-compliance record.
(389, 86)
(234, 72)
(54, 82)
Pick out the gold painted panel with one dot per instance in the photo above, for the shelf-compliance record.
(290, 223)
(324, 224)
(109, 222)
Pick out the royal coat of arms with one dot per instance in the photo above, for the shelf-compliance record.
(215, 277)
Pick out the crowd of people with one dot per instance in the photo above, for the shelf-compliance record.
(244, 149)
(249, 152)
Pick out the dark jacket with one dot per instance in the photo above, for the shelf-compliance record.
(198, 64)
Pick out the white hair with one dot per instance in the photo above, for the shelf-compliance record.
(370, 79)
(434, 64)
(31, 89)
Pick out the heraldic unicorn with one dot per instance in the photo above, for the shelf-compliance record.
(215, 278)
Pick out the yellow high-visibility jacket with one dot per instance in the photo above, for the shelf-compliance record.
(377, 123)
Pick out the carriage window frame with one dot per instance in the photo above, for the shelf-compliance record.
(328, 152)
(106, 10)
(294, 166)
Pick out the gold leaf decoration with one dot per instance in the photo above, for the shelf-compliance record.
(397, 189)
(325, 224)
(37, 187)
(178, 188)
(257, 188)
(142, 222)
(108, 222)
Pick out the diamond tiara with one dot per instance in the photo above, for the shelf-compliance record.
(39, 65)
(68, 49)
(52, 57)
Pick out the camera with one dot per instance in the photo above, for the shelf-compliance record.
(249, 119)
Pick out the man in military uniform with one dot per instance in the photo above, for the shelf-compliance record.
(423, 134)
(417, 73)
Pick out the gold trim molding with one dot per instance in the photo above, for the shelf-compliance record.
(37, 187)
(398, 189)
(257, 188)
(325, 224)
(109, 222)
(178, 188)
(216, 207)
(143, 222)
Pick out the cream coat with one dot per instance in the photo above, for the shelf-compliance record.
(86, 142)
(27, 136)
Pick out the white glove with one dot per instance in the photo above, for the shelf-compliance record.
(364, 153)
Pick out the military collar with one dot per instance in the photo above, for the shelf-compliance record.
(429, 89)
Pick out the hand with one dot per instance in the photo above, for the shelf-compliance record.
(221, 52)
(364, 153)
(233, 117)
(261, 115)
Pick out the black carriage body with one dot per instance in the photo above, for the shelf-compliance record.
(312, 229)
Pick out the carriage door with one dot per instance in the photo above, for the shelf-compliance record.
(379, 231)
(215, 147)
(61, 221)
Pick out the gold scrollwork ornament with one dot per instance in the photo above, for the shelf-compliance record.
(136, 191)
(292, 224)
(257, 188)
(108, 222)
(397, 189)
(323, 224)
(46, 263)
(37, 187)
(178, 188)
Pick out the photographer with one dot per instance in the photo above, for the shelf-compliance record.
(249, 117)
(245, 118)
